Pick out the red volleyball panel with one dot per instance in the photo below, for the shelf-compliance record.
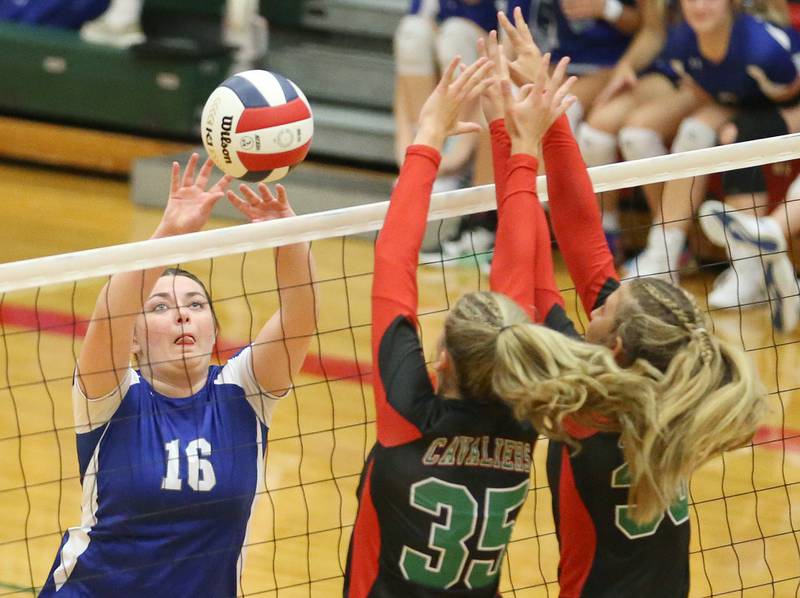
(261, 162)
(272, 116)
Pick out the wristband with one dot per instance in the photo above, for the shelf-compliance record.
(612, 10)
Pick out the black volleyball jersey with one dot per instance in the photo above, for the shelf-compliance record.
(604, 554)
(442, 487)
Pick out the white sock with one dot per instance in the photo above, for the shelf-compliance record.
(667, 240)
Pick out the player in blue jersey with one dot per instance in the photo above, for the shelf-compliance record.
(171, 453)
(620, 510)
(730, 58)
(593, 33)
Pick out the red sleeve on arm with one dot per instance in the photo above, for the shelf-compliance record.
(515, 247)
(576, 215)
(523, 238)
(501, 152)
(394, 284)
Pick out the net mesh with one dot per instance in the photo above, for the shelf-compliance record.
(745, 507)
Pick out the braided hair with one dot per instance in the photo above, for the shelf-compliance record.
(709, 399)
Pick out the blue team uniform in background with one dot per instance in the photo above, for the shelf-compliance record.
(754, 42)
(65, 14)
(590, 43)
(483, 12)
(168, 488)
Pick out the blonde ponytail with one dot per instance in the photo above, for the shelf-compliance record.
(710, 399)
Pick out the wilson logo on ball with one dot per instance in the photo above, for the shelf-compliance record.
(262, 106)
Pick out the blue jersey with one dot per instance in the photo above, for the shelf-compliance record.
(590, 43)
(168, 488)
(481, 12)
(753, 43)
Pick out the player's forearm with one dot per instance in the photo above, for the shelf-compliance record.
(575, 214)
(296, 276)
(501, 152)
(650, 38)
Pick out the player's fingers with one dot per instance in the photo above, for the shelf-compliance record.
(563, 91)
(482, 49)
(266, 193)
(283, 197)
(447, 76)
(481, 88)
(522, 27)
(175, 176)
(223, 183)
(204, 174)
(564, 105)
(510, 30)
(560, 72)
(470, 75)
(188, 174)
(249, 195)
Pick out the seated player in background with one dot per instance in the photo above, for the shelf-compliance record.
(172, 454)
(738, 63)
(593, 33)
(620, 500)
(638, 112)
(458, 452)
(426, 40)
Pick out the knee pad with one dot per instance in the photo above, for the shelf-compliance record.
(693, 134)
(575, 114)
(637, 143)
(597, 147)
(458, 37)
(414, 46)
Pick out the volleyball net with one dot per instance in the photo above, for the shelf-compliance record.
(745, 507)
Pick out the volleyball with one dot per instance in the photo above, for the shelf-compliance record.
(257, 125)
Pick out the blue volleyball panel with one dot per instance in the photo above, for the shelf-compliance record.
(246, 91)
(288, 89)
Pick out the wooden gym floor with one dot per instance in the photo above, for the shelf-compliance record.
(746, 513)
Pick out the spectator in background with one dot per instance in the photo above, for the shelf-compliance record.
(593, 33)
(63, 14)
(638, 111)
(737, 63)
(426, 40)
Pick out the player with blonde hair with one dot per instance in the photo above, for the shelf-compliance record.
(618, 468)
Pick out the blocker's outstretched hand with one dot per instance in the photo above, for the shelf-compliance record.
(438, 117)
(524, 68)
(530, 116)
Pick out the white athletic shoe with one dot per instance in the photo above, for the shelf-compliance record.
(104, 32)
(783, 293)
(743, 286)
(742, 234)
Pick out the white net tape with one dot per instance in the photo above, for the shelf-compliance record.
(335, 223)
